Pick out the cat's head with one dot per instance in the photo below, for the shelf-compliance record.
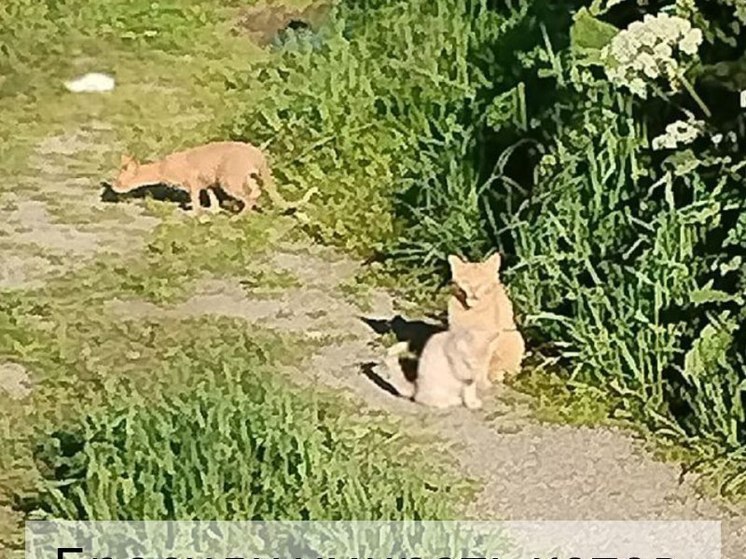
(475, 280)
(127, 176)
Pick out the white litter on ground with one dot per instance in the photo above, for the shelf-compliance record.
(91, 83)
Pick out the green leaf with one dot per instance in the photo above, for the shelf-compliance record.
(682, 162)
(730, 265)
(508, 108)
(709, 295)
(709, 350)
(589, 35)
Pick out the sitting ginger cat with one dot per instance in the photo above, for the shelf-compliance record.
(482, 302)
(234, 166)
(453, 363)
(449, 369)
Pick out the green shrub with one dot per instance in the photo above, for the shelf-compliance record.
(631, 257)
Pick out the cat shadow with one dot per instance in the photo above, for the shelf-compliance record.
(368, 370)
(159, 192)
(165, 193)
(415, 333)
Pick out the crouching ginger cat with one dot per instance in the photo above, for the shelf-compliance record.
(234, 166)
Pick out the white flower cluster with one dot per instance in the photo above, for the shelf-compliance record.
(648, 50)
(740, 7)
(677, 133)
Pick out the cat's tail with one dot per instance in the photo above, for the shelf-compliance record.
(404, 387)
(268, 182)
(266, 174)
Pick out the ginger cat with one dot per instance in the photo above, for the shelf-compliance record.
(234, 166)
(451, 367)
(482, 302)
(448, 371)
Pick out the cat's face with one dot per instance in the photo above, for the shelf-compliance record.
(475, 279)
(127, 174)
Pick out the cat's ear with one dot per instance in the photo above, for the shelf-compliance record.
(494, 262)
(127, 160)
(455, 262)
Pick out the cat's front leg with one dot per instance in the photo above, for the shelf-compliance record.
(482, 376)
(482, 380)
(470, 398)
(507, 356)
(194, 199)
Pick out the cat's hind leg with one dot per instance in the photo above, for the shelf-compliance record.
(250, 193)
(245, 190)
(483, 381)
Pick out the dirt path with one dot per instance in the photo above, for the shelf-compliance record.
(529, 471)
(53, 219)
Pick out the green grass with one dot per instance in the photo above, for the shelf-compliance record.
(118, 401)
(357, 292)
(555, 400)
(366, 125)
(164, 456)
(413, 290)
(266, 282)
(179, 252)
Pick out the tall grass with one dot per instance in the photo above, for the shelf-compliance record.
(631, 259)
(167, 418)
(381, 112)
(232, 441)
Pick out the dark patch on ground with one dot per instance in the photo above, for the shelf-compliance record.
(264, 23)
